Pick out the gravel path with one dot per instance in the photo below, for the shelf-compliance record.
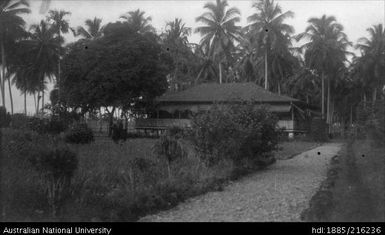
(279, 193)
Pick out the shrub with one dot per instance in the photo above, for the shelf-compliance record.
(170, 146)
(51, 126)
(238, 132)
(56, 167)
(19, 121)
(4, 117)
(79, 133)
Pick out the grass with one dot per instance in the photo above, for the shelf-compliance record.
(289, 149)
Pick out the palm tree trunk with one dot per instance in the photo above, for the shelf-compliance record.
(364, 99)
(323, 96)
(198, 76)
(42, 101)
(266, 83)
(328, 104)
(25, 103)
(38, 102)
(3, 73)
(59, 70)
(220, 73)
(279, 88)
(10, 94)
(34, 99)
(374, 95)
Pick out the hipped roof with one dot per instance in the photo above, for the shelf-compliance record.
(214, 92)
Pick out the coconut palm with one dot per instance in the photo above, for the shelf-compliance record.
(325, 52)
(61, 26)
(44, 44)
(138, 21)
(219, 31)
(175, 40)
(372, 61)
(268, 28)
(94, 29)
(207, 71)
(11, 29)
(247, 58)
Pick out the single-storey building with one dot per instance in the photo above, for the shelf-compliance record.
(176, 108)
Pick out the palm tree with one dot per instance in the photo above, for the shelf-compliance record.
(11, 29)
(59, 25)
(247, 58)
(175, 39)
(138, 21)
(45, 49)
(94, 29)
(372, 60)
(206, 71)
(219, 31)
(267, 27)
(325, 52)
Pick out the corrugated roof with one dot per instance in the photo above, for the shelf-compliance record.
(211, 92)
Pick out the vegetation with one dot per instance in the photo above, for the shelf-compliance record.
(123, 69)
(317, 72)
(238, 132)
(124, 65)
(79, 133)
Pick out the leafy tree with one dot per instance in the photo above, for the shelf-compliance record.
(219, 32)
(273, 36)
(11, 29)
(122, 69)
(138, 22)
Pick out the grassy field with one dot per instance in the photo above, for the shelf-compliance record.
(113, 182)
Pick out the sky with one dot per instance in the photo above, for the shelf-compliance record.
(355, 15)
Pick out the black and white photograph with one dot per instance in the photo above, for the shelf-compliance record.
(192, 111)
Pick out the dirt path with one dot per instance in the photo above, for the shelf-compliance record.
(279, 193)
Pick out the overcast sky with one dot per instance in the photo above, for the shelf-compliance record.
(355, 15)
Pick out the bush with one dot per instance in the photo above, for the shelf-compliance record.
(79, 133)
(56, 167)
(19, 121)
(238, 132)
(170, 146)
(53, 126)
(5, 118)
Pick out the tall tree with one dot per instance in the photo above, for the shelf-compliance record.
(219, 31)
(45, 48)
(138, 21)
(93, 30)
(175, 41)
(11, 29)
(61, 26)
(372, 60)
(122, 69)
(325, 52)
(273, 35)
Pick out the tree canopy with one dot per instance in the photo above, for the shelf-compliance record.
(121, 69)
